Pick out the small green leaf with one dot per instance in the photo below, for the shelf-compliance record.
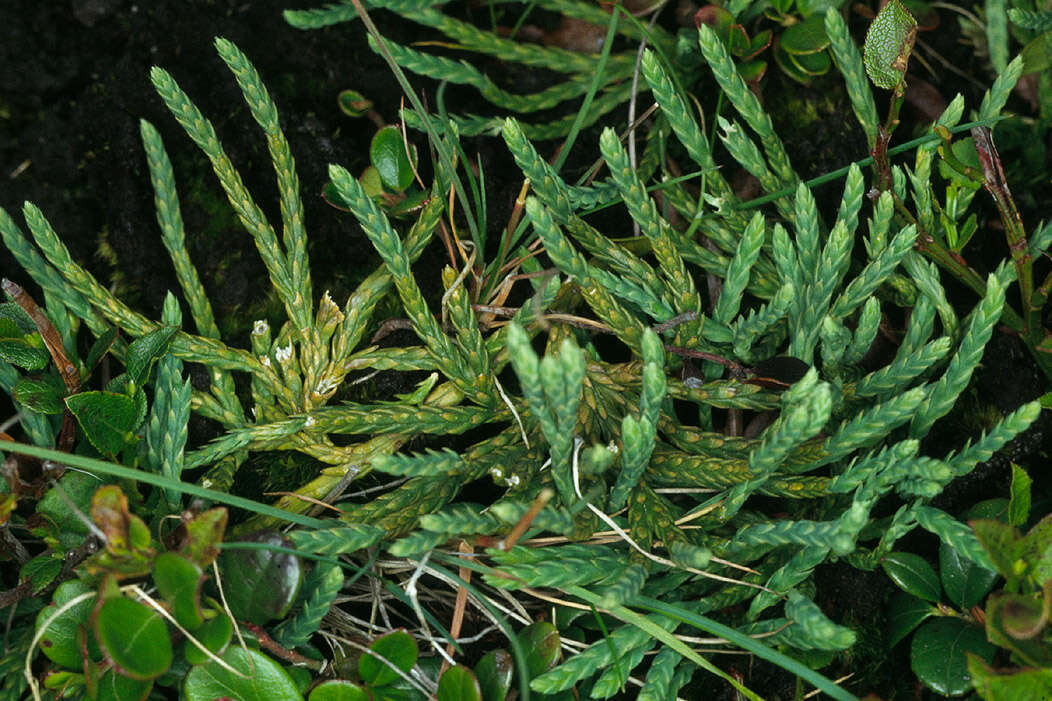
(458, 684)
(332, 197)
(261, 585)
(204, 532)
(179, 582)
(134, 638)
(371, 182)
(261, 679)
(100, 347)
(353, 103)
(541, 643)
(42, 394)
(889, 42)
(146, 349)
(387, 153)
(494, 672)
(716, 17)
(1036, 551)
(1001, 543)
(905, 612)
(812, 64)
(398, 648)
(1037, 54)
(14, 321)
(1009, 684)
(937, 654)
(913, 574)
(965, 582)
(59, 641)
(339, 690)
(1019, 501)
(1015, 622)
(214, 634)
(117, 687)
(108, 419)
(28, 357)
(807, 37)
(41, 570)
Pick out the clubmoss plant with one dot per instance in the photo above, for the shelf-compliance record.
(636, 470)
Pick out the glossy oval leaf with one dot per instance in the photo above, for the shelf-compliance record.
(889, 42)
(260, 585)
(937, 654)
(964, 581)
(134, 638)
(458, 684)
(494, 673)
(59, 641)
(107, 418)
(905, 613)
(179, 582)
(116, 687)
(339, 690)
(913, 574)
(263, 680)
(540, 641)
(398, 648)
(214, 634)
(388, 155)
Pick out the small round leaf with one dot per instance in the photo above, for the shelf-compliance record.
(541, 642)
(214, 634)
(398, 648)
(179, 582)
(59, 641)
(261, 585)
(134, 638)
(807, 37)
(339, 690)
(387, 152)
(264, 679)
(494, 672)
(458, 684)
